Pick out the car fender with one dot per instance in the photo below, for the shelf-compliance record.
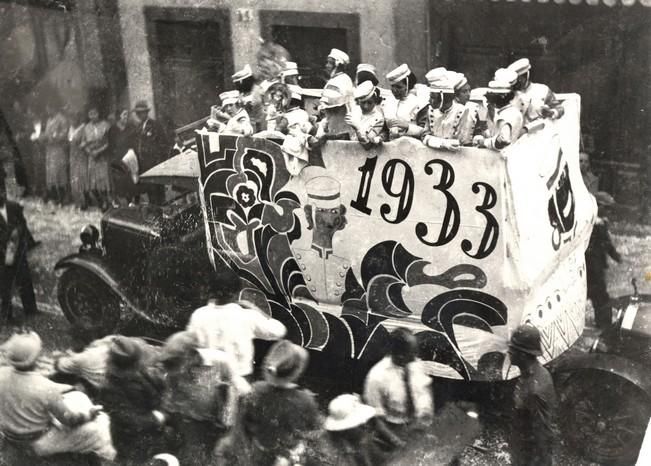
(94, 264)
(632, 371)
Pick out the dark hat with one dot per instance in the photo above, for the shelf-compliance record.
(141, 106)
(178, 345)
(124, 351)
(23, 349)
(526, 339)
(285, 362)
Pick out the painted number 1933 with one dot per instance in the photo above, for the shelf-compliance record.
(403, 192)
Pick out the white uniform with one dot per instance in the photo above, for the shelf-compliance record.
(455, 123)
(342, 82)
(405, 109)
(532, 99)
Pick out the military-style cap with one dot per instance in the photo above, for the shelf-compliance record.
(367, 68)
(439, 80)
(458, 80)
(324, 192)
(331, 98)
(229, 97)
(364, 91)
(398, 74)
(520, 66)
(291, 69)
(241, 75)
(503, 81)
(339, 56)
(435, 74)
(526, 339)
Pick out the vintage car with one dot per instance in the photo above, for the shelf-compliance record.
(605, 394)
(460, 247)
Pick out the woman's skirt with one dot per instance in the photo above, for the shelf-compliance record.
(98, 172)
(56, 165)
(78, 172)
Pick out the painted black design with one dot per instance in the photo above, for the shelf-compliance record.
(561, 205)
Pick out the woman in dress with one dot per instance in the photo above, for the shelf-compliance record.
(55, 139)
(95, 144)
(78, 163)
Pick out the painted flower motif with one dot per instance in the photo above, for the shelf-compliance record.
(245, 196)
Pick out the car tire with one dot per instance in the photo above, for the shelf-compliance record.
(604, 416)
(89, 304)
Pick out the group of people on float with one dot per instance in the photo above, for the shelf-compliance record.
(440, 113)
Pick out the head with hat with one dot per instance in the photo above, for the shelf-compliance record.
(461, 87)
(178, 348)
(367, 96)
(141, 110)
(336, 62)
(243, 80)
(290, 75)
(285, 363)
(324, 212)
(500, 90)
(347, 415)
(525, 346)
(441, 88)
(230, 101)
(124, 353)
(22, 350)
(402, 80)
(366, 72)
(521, 67)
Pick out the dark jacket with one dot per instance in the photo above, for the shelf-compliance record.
(15, 222)
(599, 248)
(151, 144)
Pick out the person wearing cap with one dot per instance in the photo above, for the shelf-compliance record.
(238, 122)
(231, 328)
(366, 72)
(295, 120)
(400, 390)
(535, 100)
(348, 425)
(600, 247)
(152, 146)
(401, 113)
(590, 180)
(277, 418)
(323, 271)
(38, 414)
(201, 394)
(251, 96)
(333, 125)
(449, 124)
(366, 117)
(336, 64)
(535, 402)
(506, 122)
(131, 394)
(290, 75)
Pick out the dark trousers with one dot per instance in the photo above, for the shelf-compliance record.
(20, 278)
(598, 294)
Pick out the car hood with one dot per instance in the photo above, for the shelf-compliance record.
(181, 170)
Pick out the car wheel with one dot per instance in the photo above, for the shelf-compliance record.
(604, 416)
(88, 303)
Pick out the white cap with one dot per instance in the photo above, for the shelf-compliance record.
(324, 192)
(503, 81)
(366, 67)
(291, 69)
(398, 74)
(244, 73)
(339, 56)
(171, 460)
(229, 97)
(520, 66)
(439, 80)
(436, 74)
(458, 80)
(364, 91)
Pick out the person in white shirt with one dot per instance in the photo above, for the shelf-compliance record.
(366, 116)
(232, 328)
(401, 112)
(336, 64)
(399, 390)
(534, 99)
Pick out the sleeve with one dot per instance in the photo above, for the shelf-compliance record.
(265, 327)
(57, 407)
(373, 393)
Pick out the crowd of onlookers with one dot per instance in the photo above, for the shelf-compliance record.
(200, 399)
(74, 157)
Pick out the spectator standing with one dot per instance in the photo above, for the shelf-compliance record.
(95, 144)
(151, 146)
(534, 429)
(120, 141)
(400, 391)
(55, 139)
(231, 328)
(589, 178)
(79, 185)
(29, 402)
(596, 262)
(15, 240)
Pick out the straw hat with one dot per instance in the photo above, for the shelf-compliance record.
(347, 412)
(229, 97)
(520, 66)
(503, 81)
(398, 74)
(339, 56)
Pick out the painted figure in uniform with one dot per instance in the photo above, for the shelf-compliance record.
(323, 271)
(401, 112)
(446, 126)
(336, 68)
(505, 120)
(366, 117)
(534, 99)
